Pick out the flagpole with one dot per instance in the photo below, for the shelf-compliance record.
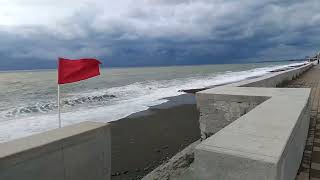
(59, 112)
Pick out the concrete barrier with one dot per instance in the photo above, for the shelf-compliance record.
(266, 143)
(77, 152)
(273, 79)
(258, 133)
(216, 114)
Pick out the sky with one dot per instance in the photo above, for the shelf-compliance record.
(34, 33)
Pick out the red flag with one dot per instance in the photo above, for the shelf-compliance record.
(76, 70)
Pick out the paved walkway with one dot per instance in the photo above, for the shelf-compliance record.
(310, 165)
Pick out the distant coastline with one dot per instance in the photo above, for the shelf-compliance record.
(105, 66)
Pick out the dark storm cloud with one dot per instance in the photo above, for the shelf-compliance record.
(168, 32)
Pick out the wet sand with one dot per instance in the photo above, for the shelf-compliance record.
(144, 140)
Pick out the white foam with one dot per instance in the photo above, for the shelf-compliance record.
(131, 98)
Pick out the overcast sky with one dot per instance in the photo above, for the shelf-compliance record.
(33, 33)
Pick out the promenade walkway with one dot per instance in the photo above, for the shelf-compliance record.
(310, 165)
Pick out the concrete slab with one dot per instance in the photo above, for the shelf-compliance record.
(78, 152)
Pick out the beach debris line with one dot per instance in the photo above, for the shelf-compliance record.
(70, 71)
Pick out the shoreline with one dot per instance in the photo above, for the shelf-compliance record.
(40, 116)
(181, 165)
(157, 149)
(144, 140)
(195, 90)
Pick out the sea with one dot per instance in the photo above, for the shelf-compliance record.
(29, 98)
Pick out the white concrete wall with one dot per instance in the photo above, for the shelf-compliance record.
(77, 152)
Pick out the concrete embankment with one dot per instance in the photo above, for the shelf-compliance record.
(265, 143)
(211, 122)
(77, 152)
(267, 111)
(257, 133)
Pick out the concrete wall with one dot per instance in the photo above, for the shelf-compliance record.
(274, 79)
(215, 114)
(77, 152)
(257, 133)
(266, 144)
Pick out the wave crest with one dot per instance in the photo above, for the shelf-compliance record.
(51, 106)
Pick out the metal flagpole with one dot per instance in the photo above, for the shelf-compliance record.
(59, 116)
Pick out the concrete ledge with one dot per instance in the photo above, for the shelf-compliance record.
(77, 152)
(217, 113)
(273, 79)
(266, 143)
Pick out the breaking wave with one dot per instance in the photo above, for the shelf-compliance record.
(110, 104)
(52, 106)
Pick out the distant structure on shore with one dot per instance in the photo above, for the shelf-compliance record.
(314, 58)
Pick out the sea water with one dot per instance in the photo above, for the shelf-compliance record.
(29, 98)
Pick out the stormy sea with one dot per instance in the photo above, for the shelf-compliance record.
(29, 98)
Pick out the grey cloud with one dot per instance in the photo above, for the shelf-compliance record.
(160, 32)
